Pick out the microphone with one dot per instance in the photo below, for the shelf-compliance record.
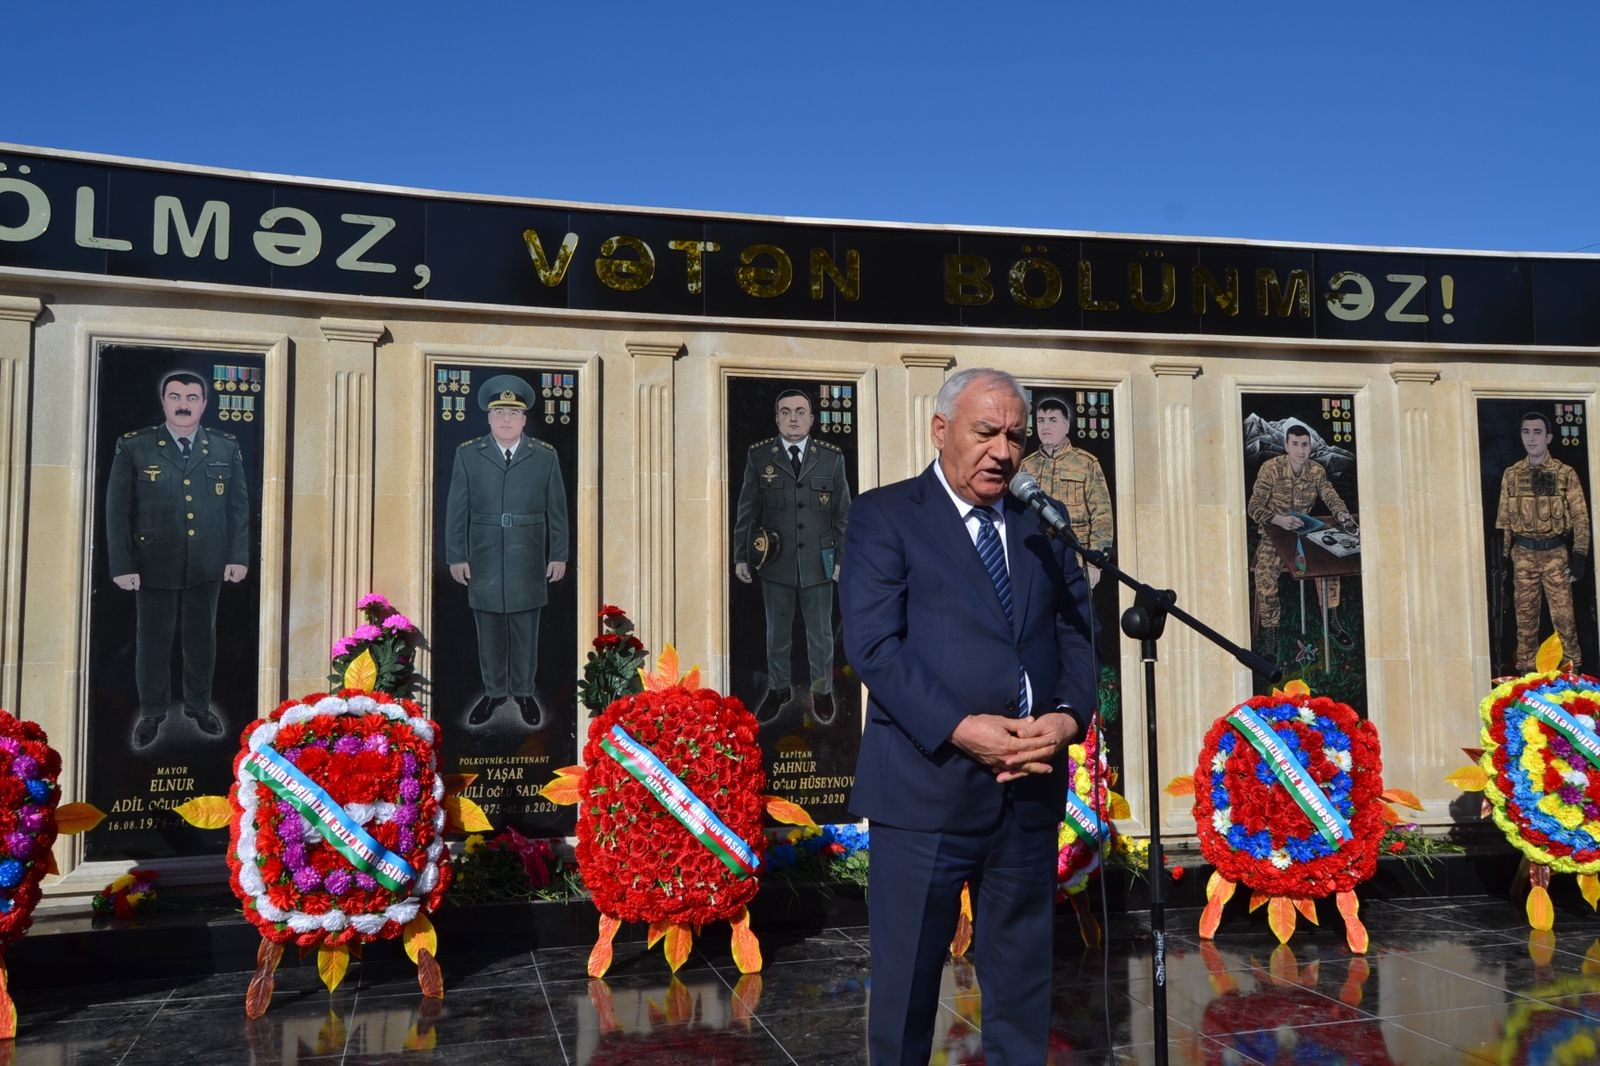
(1026, 489)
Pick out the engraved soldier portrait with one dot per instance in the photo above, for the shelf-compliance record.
(789, 524)
(506, 541)
(1543, 520)
(1073, 476)
(1288, 488)
(177, 524)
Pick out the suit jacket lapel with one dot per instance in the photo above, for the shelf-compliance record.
(948, 530)
(1020, 562)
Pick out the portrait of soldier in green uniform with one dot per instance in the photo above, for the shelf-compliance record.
(506, 540)
(1074, 477)
(1543, 519)
(794, 503)
(177, 515)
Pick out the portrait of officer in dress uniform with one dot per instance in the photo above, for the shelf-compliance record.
(1543, 518)
(789, 526)
(506, 541)
(177, 511)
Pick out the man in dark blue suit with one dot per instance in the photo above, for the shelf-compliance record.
(970, 627)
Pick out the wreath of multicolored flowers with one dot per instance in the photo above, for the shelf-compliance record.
(28, 798)
(294, 861)
(638, 860)
(1542, 763)
(1091, 806)
(1253, 829)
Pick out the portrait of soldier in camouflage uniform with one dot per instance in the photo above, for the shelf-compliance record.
(1074, 477)
(1286, 487)
(1544, 522)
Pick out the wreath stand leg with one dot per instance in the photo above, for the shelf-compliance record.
(259, 994)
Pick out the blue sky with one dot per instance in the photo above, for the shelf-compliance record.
(1467, 125)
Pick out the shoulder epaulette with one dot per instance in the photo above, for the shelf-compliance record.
(225, 433)
(471, 441)
(546, 444)
(762, 443)
(830, 447)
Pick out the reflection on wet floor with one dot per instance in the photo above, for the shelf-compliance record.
(1445, 980)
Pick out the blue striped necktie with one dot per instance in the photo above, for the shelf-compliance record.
(993, 555)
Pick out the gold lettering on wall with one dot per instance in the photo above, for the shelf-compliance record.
(848, 283)
(624, 273)
(550, 274)
(764, 281)
(964, 280)
(1270, 296)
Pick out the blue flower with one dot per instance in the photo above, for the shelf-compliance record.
(1260, 844)
(1299, 850)
(780, 856)
(1264, 773)
(11, 872)
(1238, 837)
(1228, 741)
(1219, 798)
(39, 790)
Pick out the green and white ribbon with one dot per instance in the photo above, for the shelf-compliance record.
(670, 791)
(1085, 821)
(1291, 775)
(1556, 717)
(329, 818)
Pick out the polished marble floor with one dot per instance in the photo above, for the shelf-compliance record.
(1457, 980)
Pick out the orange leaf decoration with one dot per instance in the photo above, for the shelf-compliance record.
(680, 938)
(1116, 806)
(8, 1008)
(1258, 900)
(50, 866)
(1088, 924)
(570, 771)
(1283, 966)
(1181, 786)
(1308, 908)
(204, 812)
(81, 817)
(1401, 796)
(1549, 658)
(418, 935)
(429, 976)
(332, 962)
(465, 816)
(963, 938)
(656, 932)
(1390, 815)
(680, 1003)
(1297, 687)
(1280, 916)
(1541, 912)
(1355, 933)
(1468, 778)
(600, 954)
(746, 948)
(362, 673)
(455, 784)
(1541, 946)
(1589, 885)
(1219, 890)
(1222, 982)
(666, 673)
(786, 811)
(605, 1009)
(259, 994)
(562, 791)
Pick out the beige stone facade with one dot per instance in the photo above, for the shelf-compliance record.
(348, 509)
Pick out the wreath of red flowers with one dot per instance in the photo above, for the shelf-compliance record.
(1268, 842)
(638, 861)
(374, 756)
(28, 798)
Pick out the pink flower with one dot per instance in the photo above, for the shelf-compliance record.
(341, 648)
(373, 599)
(398, 623)
(367, 632)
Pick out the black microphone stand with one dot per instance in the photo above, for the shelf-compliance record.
(1145, 621)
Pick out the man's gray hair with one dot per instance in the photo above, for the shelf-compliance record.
(956, 384)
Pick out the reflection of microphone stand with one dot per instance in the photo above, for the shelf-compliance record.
(1145, 621)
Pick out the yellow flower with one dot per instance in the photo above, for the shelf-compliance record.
(1569, 816)
(474, 842)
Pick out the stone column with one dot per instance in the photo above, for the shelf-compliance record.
(1434, 738)
(351, 365)
(925, 373)
(17, 315)
(1173, 564)
(653, 454)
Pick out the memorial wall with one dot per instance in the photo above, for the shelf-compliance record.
(265, 397)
